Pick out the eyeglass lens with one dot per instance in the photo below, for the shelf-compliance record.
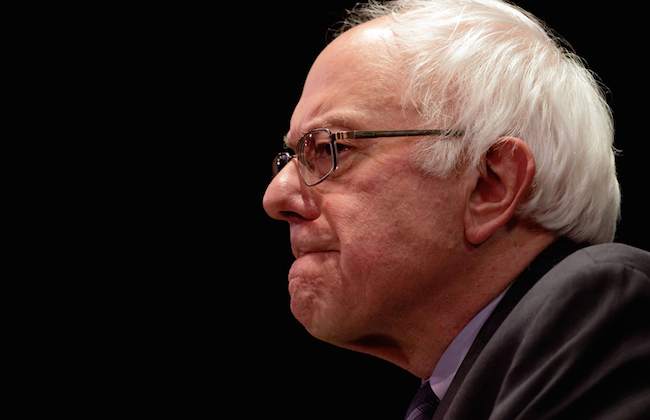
(315, 156)
(280, 162)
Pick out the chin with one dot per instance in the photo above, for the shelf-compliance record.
(317, 321)
(322, 300)
(329, 323)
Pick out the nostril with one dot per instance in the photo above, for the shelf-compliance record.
(291, 214)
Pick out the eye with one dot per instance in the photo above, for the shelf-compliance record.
(340, 148)
(323, 149)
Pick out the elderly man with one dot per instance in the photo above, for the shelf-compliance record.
(451, 196)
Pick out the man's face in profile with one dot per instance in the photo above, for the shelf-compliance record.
(378, 235)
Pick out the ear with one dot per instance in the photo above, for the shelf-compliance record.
(499, 189)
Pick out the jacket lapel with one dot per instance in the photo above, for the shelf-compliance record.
(550, 257)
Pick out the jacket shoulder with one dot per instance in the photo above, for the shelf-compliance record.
(609, 254)
(573, 347)
(592, 284)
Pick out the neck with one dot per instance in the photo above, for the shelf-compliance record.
(420, 335)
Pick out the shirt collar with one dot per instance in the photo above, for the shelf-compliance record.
(452, 358)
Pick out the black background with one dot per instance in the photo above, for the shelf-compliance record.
(273, 353)
(209, 328)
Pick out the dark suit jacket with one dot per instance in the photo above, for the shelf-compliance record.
(570, 339)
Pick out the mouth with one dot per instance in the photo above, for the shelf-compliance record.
(304, 253)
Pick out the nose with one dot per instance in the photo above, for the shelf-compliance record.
(287, 196)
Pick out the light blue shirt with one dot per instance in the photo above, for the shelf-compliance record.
(452, 358)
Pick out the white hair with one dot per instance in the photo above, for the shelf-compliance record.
(490, 69)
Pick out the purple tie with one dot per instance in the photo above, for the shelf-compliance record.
(424, 404)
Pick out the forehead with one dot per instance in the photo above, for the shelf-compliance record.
(348, 86)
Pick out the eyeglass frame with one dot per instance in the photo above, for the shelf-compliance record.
(343, 135)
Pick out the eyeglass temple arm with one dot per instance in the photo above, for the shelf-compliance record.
(395, 133)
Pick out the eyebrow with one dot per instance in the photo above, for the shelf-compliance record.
(328, 122)
(286, 142)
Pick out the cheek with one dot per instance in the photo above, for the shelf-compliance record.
(391, 237)
(398, 237)
(377, 254)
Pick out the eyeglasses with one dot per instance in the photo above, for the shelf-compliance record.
(318, 152)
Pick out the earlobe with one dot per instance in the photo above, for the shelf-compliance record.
(500, 187)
